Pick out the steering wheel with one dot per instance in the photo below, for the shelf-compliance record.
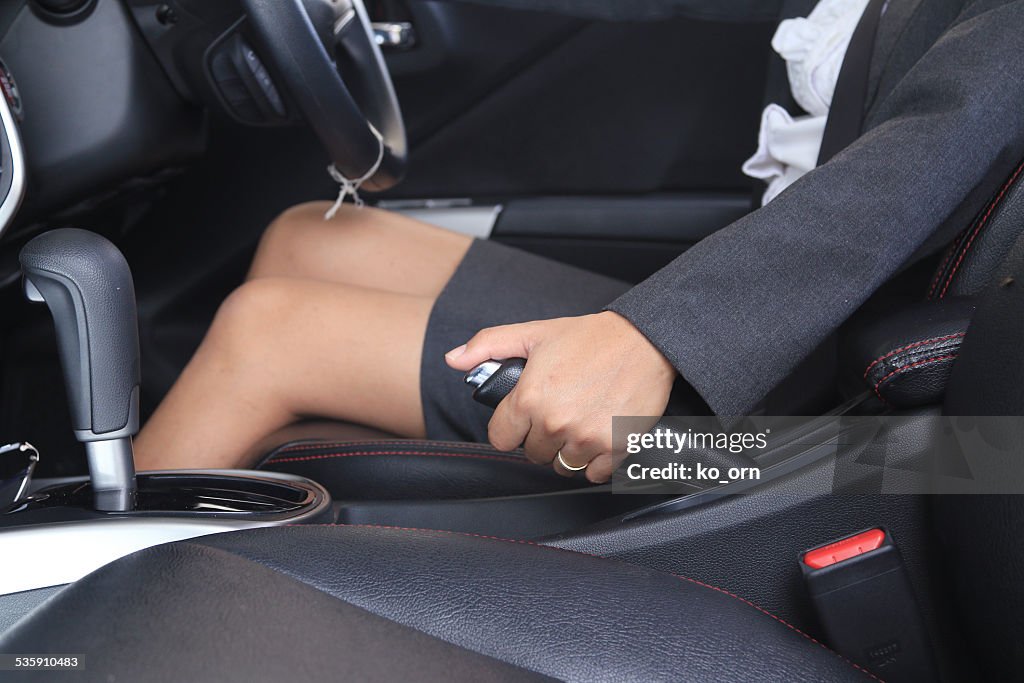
(325, 52)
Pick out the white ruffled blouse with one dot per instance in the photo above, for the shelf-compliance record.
(813, 47)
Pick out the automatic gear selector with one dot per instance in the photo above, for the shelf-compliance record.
(87, 285)
(55, 531)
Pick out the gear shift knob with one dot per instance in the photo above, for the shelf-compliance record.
(87, 285)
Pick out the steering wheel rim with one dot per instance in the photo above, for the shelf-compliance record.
(310, 44)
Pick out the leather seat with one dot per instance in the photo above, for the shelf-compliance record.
(408, 469)
(370, 603)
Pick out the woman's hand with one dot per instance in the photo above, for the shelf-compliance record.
(581, 372)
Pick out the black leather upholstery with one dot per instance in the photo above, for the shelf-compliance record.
(989, 379)
(407, 469)
(189, 612)
(322, 430)
(542, 609)
(971, 261)
(980, 535)
(500, 384)
(905, 356)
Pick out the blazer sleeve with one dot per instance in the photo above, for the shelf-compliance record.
(738, 311)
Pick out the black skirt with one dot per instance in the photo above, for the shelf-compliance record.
(495, 285)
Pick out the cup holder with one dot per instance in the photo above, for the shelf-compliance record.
(253, 496)
(55, 536)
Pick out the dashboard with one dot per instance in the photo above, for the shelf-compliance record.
(12, 156)
(99, 96)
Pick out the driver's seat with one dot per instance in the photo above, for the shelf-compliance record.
(370, 603)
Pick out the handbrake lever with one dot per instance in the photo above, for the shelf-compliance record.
(495, 379)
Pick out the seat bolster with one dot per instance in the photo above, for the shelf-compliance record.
(320, 430)
(561, 613)
(371, 603)
(970, 263)
(190, 612)
(905, 356)
(408, 469)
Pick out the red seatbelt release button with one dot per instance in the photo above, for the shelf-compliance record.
(836, 552)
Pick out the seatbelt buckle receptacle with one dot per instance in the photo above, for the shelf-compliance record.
(866, 605)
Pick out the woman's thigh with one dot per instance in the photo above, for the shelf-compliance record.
(337, 351)
(365, 247)
(282, 349)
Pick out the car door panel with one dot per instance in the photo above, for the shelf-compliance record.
(613, 145)
(614, 108)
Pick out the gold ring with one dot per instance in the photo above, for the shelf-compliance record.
(563, 463)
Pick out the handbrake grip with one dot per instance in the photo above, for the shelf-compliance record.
(494, 380)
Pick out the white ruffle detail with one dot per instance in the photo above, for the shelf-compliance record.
(814, 48)
(787, 148)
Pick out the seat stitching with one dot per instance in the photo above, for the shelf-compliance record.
(999, 198)
(394, 442)
(438, 454)
(897, 371)
(945, 261)
(608, 559)
(389, 442)
(908, 347)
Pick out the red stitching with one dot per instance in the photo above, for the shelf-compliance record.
(478, 456)
(394, 442)
(702, 584)
(897, 371)
(908, 347)
(981, 224)
(945, 261)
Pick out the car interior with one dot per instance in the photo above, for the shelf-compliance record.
(145, 147)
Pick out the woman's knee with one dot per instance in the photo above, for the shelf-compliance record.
(295, 238)
(250, 319)
(279, 241)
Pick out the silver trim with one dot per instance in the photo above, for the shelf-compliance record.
(44, 555)
(344, 20)
(32, 293)
(393, 34)
(481, 373)
(26, 474)
(10, 204)
(112, 471)
(475, 221)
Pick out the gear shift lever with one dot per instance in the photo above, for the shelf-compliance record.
(87, 284)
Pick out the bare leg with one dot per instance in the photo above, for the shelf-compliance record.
(281, 349)
(331, 324)
(365, 247)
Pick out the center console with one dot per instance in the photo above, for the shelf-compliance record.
(56, 532)
(54, 536)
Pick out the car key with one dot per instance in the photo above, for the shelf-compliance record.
(495, 379)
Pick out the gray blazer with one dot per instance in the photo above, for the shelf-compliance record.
(944, 127)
